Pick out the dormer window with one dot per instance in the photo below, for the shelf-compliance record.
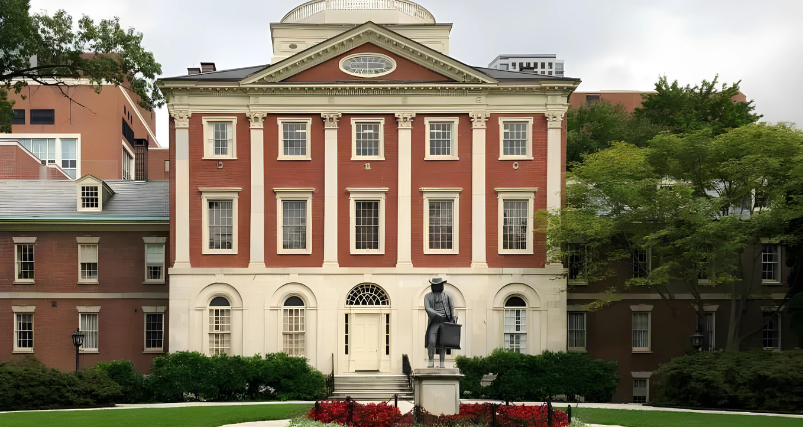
(89, 197)
(91, 194)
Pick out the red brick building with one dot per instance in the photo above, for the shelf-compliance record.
(86, 254)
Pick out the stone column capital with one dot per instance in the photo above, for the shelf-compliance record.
(256, 118)
(405, 120)
(181, 117)
(330, 120)
(555, 119)
(478, 119)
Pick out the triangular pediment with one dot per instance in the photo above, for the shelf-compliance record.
(418, 62)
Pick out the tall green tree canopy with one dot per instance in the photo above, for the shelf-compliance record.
(701, 203)
(50, 50)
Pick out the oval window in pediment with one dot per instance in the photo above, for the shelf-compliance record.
(367, 64)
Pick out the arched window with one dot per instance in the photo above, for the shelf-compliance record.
(293, 328)
(219, 326)
(516, 324)
(367, 294)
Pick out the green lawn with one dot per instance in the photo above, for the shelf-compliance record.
(199, 416)
(631, 418)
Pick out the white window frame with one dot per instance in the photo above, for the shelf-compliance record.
(354, 122)
(281, 121)
(778, 263)
(23, 241)
(89, 310)
(89, 183)
(432, 194)
(88, 241)
(772, 312)
(222, 194)
(23, 310)
(642, 309)
(529, 155)
(58, 137)
(642, 376)
(212, 331)
(209, 149)
(523, 332)
(287, 195)
(372, 195)
(155, 241)
(585, 331)
(518, 194)
(146, 310)
(302, 314)
(454, 121)
(129, 162)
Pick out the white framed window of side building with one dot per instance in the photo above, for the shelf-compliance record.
(23, 328)
(128, 163)
(88, 259)
(154, 259)
(294, 139)
(441, 220)
(293, 220)
(515, 228)
(641, 327)
(88, 324)
(367, 220)
(24, 259)
(515, 138)
(154, 328)
(367, 139)
(441, 138)
(220, 220)
(293, 327)
(771, 264)
(577, 331)
(63, 150)
(220, 137)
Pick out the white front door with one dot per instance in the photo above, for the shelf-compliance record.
(364, 337)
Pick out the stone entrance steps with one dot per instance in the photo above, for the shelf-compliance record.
(372, 387)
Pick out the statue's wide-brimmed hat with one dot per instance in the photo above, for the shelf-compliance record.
(437, 281)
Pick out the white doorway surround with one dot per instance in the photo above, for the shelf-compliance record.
(365, 352)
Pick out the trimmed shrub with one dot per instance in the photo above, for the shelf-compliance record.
(756, 379)
(185, 375)
(524, 377)
(28, 384)
(123, 373)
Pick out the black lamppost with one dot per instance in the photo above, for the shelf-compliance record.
(697, 339)
(77, 341)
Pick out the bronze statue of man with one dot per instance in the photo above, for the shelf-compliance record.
(440, 309)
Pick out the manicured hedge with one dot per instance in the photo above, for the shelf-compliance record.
(193, 376)
(756, 379)
(123, 373)
(29, 384)
(524, 377)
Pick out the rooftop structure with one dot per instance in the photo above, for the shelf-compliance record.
(358, 12)
(544, 64)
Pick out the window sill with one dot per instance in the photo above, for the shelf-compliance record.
(23, 351)
(367, 253)
(89, 352)
(293, 252)
(517, 158)
(360, 159)
(88, 282)
(427, 158)
(218, 158)
(153, 282)
(23, 282)
(770, 283)
(577, 350)
(213, 252)
(294, 158)
(577, 283)
(642, 351)
(434, 252)
(508, 252)
(154, 351)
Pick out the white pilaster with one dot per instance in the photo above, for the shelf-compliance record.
(553, 159)
(404, 257)
(256, 119)
(182, 237)
(478, 238)
(330, 121)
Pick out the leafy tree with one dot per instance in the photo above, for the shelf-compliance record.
(686, 108)
(701, 203)
(50, 51)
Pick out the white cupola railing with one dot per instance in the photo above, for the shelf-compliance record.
(312, 7)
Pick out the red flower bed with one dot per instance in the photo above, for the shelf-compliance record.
(384, 415)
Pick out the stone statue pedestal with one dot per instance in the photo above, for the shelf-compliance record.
(437, 390)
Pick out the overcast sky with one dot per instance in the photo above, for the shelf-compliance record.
(610, 45)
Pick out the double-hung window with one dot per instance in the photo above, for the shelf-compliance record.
(90, 197)
(23, 328)
(219, 326)
(293, 327)
(641, 325)
(441, 138)
(368, 140)
(640, 388)
(88, 324)
(294, 220)
(515, 230)
(220, 139)
(220, 220)
(515, 138)
(770, 264)
(24, 259)
(515, 335)
(577, 331)
(441, 220)
(154, 259)
(294, 137)
(577, 263)
(87, 259)
(771, 332)
(641, 263)
(154, 329)
(367, 220)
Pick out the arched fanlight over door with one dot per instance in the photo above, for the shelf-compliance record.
(516, 324)
(367, 294)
